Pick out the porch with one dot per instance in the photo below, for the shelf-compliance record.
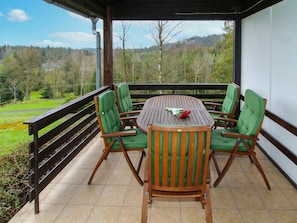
(115, 195)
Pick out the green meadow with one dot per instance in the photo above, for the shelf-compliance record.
(13, 132)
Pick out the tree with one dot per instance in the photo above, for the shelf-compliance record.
(10, 80)
(162, 32)
(223, 68)
(123, 39)
(28, 63)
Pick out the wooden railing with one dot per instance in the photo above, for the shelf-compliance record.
(74, 126)
(60, 134)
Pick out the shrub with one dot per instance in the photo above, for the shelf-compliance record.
(14, 186)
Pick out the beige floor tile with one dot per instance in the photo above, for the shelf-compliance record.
(291, 195)
(285, 216)
(257, 216)
(226, 216)
(247, 198)
(162, 214)
(191, 215)
(60, 194)
(222, 198)
(86, 194)
(130, 215)
(279, 180)
(190, 203)
(134, 196)
(104, 214)
(101, 176)
(274, 199)
(48, 214)
(87, 162)
(74, 176)
(166, 202)
(120, 177)
(238, 179)
(74, 213)
(112, 195)
(258, 181)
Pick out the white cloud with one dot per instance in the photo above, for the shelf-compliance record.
(1, 14)
(76, 37)
(17, 15)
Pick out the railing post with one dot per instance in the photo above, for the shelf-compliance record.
(35, 167)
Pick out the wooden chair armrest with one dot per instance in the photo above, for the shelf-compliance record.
(137, 103)
(135, 112)
(208, 103)
(219, 113)
(238, 135)
(127, 118)
(121, 133)
(231, 120)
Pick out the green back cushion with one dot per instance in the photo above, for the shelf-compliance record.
(111, 122)
(252, 113)
(249, 122)
(109, 112)
(230, 99)
(124, 97)
(171, 147)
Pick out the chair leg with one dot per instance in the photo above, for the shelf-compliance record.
(212, 156)
(140, 161)
(225, 169)
(135, 173)
(259, 167)
(103, 157)
(145, 198)
(208, 205)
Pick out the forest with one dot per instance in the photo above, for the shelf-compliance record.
(66, 72)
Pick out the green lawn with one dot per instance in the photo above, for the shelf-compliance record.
(12, 130)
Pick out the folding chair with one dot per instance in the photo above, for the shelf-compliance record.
(242, 139)
(228, 108)
(117, 139)
(124, 102)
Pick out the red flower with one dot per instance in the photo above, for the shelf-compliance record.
(183, 114)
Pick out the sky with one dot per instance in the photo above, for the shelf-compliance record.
(38, 23)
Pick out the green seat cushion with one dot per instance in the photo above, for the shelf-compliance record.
(138, 141)
(219, 142)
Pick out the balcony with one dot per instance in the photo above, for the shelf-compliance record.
(64, 156)
(115, 195)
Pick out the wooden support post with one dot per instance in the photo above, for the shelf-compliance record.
(108, 53)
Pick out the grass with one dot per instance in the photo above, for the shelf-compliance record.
(12, 130)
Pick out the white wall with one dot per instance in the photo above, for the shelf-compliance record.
(269, 67)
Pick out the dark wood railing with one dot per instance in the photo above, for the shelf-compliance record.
(54, 147)
(74, 126)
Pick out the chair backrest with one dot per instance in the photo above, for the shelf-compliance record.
(231, 99)
(178, 157)
(123, 97)
(252, 114)
(107, 112)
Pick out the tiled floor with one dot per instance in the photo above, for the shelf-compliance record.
(115, 196)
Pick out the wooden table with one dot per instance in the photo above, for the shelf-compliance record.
(154, 112)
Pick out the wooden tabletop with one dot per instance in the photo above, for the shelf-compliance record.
(154, 111)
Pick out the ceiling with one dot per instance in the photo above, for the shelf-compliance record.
(165, 9)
